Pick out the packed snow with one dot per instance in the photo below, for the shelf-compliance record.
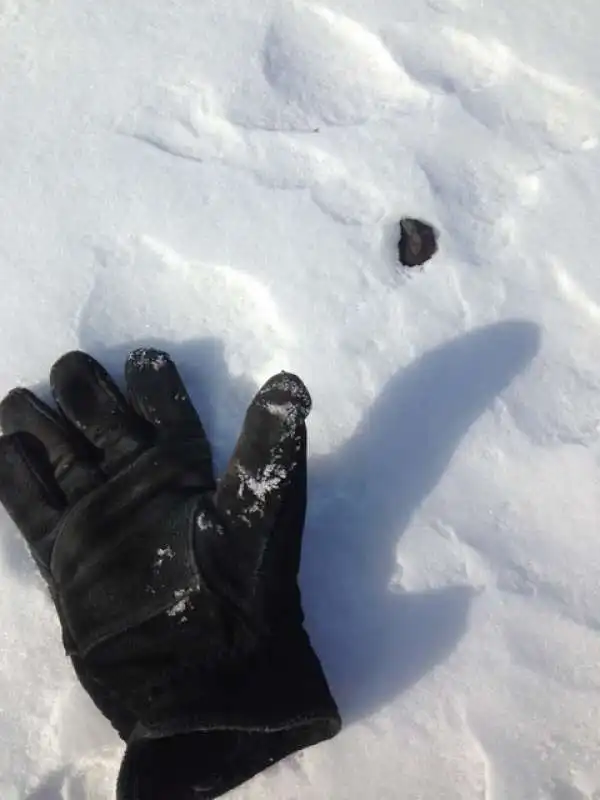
(225, 180)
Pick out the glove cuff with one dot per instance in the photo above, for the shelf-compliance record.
(199, 741)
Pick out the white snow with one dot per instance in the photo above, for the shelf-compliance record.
(182, 604)
(263, 485)
(161, 554)
(224, 180)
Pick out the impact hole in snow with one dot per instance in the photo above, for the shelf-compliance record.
(418, 242)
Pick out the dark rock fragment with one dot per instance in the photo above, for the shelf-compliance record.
(418, 242)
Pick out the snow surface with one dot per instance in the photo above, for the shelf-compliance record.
(224, 179)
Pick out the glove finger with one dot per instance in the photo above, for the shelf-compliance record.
(281, 562)
(21, 410)
(90, 400)
(158, 394)
(29, 492)
(253, 489)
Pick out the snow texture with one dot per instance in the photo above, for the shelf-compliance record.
(224, 180)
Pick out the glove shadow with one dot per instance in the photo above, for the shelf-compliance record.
(374, 643)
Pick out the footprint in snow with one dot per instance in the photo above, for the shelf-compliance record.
(190, 124)
(329, 69)
(319, 70)
(514, 99)
(208, 300)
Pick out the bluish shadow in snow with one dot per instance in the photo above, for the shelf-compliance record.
(221, 399)
(373, 643)
(51, 788)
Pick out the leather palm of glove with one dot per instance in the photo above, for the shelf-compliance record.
(177, 596)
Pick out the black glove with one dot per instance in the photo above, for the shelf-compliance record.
(177, 595)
